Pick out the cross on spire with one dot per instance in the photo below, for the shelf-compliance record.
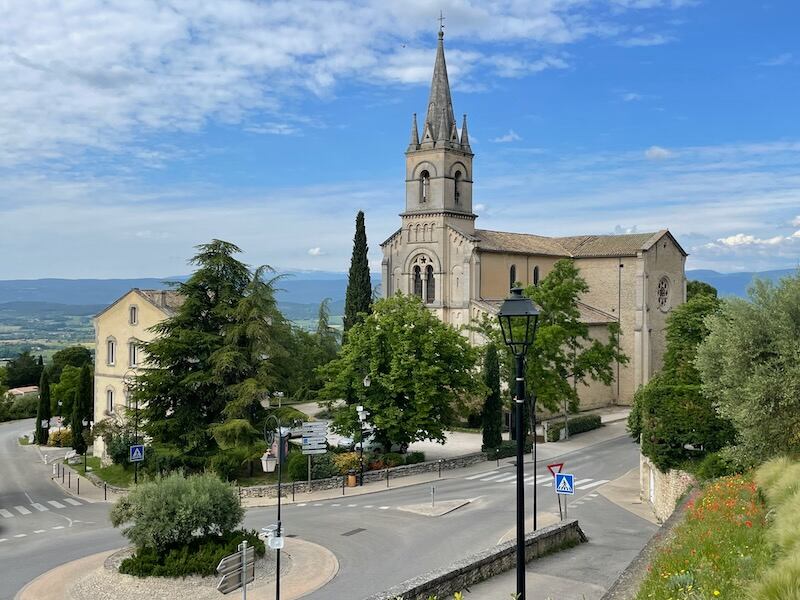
(441, 22)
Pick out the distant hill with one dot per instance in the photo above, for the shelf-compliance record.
(735, 284)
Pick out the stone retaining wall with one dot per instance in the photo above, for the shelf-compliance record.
(662, 490)
(483, 565)
(271, 491)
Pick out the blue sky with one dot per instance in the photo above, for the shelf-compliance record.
(132, 131)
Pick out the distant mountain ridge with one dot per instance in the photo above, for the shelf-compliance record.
(736, 284)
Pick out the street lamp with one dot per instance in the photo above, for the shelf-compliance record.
(268, 465)
(362, 418)
(86, 422)
(518, 319)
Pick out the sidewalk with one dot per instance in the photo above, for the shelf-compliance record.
(79, 486)
(545, 452)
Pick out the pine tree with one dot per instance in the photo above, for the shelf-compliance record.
(43, 412)
(358, 299)
(492, 409)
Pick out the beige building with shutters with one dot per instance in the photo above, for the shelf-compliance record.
(462, 272)
(120, 330)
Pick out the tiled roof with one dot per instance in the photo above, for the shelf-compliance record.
(170, 300)
(525, 243)
(607, 245)
(579, 246)
(588, 314)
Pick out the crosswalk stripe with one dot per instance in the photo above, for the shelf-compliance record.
(506, 478)
(595, 484)
(22, 510)
(72, 501)
(39, 507)
(3, 540)
(21, 535)
(55, 504)
(490, 477)
(471, 477)
(582, 481)
(5, 513)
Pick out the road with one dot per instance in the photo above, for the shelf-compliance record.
(377, 544)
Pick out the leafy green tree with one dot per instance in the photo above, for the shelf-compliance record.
(23, 370)
(81, 409)
(492, 409)
(43, 412)
(327, 337)
(699, 288)
(749, 365)
(419, 368)
(64, 392)
(564, 355)
(686, 329)
(75, 356)
(358, 299)
(191, 371)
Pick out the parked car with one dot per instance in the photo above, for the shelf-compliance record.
(370, 444)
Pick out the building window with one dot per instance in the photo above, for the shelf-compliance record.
(425, 186)
(417, 282)
(110, 400)
(457, 186)
(111, 352)
(430, 292)
(133, 315)
(536, 275)
(133, 354)
(662, 294)
(512, 276)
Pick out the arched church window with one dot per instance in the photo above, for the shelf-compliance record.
(512, 276)
(431, 285)
(425, 186)
(457, 186)
(418, 282)
(536, 275)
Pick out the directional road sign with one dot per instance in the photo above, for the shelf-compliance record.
(136, 453)
(233, 562)
(319, 451)
(237, 569)
(565, 483)
(231, 582)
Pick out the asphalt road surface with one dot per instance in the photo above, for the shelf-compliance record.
(377, 544)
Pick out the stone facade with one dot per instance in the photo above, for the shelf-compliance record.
(483, 565)
(662, 490)
(463, 273)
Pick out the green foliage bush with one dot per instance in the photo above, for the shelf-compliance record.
(24, 407)
(412, 458)
(297, 466)
(714, 465)
(322, 467)
(228, 463)
(173, 511)
(577, 424)
(118, 448)
(393, 459)
(60, 439)
(199, 557)
(506, 449)
(346, 461)
(781, 582)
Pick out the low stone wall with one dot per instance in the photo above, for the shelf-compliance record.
(662, 490)
(271, 491)
(97, 482)
(483, 565)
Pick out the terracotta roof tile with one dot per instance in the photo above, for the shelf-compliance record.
(501, 241)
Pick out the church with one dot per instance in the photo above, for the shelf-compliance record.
(462, 273)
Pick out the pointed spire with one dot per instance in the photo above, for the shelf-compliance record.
(465, 136)
(443, 130)
(414, 143)
(439, 101)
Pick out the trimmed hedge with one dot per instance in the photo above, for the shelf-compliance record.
(199, 557)
(577, 424)
(506, 449)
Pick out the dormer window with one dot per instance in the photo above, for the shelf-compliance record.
(457, 186)
(425, 186)
(133, 315)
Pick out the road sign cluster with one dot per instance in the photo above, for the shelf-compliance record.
(315, 437)
(237, 569)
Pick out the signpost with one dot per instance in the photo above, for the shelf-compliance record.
(136, 453)
(314, 441)
(555, 468)
(564, 484)
(237, 570)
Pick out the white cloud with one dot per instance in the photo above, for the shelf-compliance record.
(632, 97)
(316, 251)
(273, 129)
(657, 153)
(511, 136)
(796, 221)
(479, 207)
(741, 239)
(778, 61)
(652, 39)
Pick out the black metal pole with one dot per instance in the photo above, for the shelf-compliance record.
(520, 399)
(278, 552)
(136, 441)
(535, 463)
(361, 459)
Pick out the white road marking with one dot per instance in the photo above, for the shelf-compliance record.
(595, 484)
(352, 505)
(318, 504)
(368, 506)
(58, 527)
(506, 478)
(5, 513)
(21, 535)
(39, 531)
(72, 501)
(471, 477)
(3, 540)
(302, 504)
(582, 481)
(490, 477)
(592, 495)
(22, 510)
(39, 507)
(336, 504)
(55, 504)
(383, 508)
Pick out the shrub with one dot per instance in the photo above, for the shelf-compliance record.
(506, 449)
(322, 467)
(346, 462)
(781, 582)
(779, 479)
(393, 459)
(24, 407)
(785, 530)
(297, 466)
(60, 439)
(228, 463)
(199, 557)
(175, 510)
(577, 424)
(118, 448)
(714, 465)
(412, 458)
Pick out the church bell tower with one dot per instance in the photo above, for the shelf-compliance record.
(439, 158)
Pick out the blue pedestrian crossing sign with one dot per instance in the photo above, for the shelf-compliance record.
(565, 483)
(136, 453)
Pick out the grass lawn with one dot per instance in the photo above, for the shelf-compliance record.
(718, 550)
(113, 474)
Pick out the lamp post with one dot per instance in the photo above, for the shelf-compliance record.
(518, 318)
(86, 422)
(362, 417)
(127, 382)
(268, 464)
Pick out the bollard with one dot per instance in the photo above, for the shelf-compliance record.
(105, 491)
(387, 478)
(440, 467)
(292, 490)
(62, 474)
(343, 482)
(69, 480)
(79, 486)
(497, 455)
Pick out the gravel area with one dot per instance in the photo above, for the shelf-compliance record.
(107, 584)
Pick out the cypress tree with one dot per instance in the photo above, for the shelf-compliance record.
(81, 409)
(492, 409)
(359, 286)
(43, 412)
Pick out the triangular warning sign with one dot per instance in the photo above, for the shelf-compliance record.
(564, 486)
